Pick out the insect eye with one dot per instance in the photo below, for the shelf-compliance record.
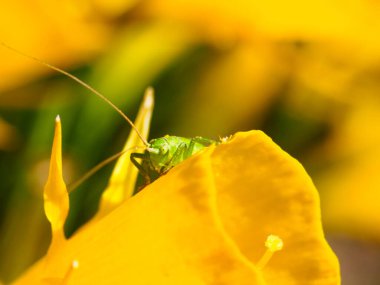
(164, 148)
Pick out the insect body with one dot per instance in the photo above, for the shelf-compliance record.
(164, 153)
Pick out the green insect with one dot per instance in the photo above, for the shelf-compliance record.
(164, 153)
(160, 154)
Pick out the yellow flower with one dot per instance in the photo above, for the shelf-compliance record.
(349, 173)
(208, 221)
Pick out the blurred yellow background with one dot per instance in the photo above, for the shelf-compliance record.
(307, 73)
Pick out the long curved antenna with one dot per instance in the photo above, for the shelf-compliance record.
(72, 186)
(84, 84)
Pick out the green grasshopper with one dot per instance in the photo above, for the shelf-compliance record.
(164, 153)
(161, 154)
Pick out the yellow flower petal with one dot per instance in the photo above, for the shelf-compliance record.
(123, 179)
(354, 23)
(263, 191)
(56, 198)
(43, 31)
(206, 222)
(349, 172)
(240, 97)
(115, 8)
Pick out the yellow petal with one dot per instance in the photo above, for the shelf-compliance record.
(354, 23)
(56, 198)
(115, 8)
(42, 32)
(123, 179)
(166, 234)
(240, 97)
(206, 222)
(349, 172)
(263, 191)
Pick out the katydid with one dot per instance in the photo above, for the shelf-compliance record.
(160, 155)
(164, 153)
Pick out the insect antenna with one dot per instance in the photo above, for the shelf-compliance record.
(84, 84)
(74, 185)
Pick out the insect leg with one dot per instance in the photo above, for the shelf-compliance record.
(190, 149)
(176, 158)
(141, 166)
